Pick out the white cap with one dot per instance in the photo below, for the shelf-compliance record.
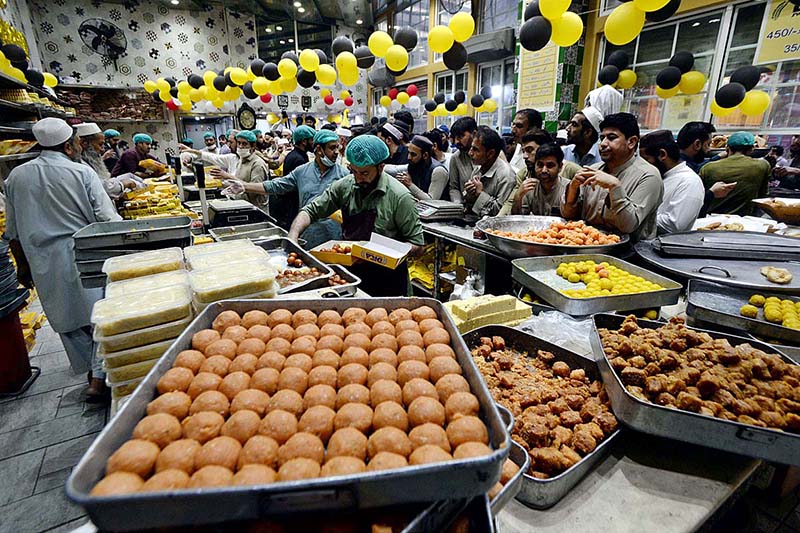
(87, 128)
(605, 99)
(282, 141)
(344, 132)
(594, 117)
(561, 134)
(52, 131)
(358, 121)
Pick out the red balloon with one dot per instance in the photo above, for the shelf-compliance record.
(393, 93)
(266, 98)
(329, 99)
(172, 105)
(348, 101)
(412, 90)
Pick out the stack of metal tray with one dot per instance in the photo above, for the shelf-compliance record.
(519, 248)
(254, 232)
(686, 426)
(729, 245)
(544, 493)
(457, 479)
(282, 247)
(539, 275)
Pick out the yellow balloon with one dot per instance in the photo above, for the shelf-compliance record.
(441, 110)
(238, 76)
(567, 29)
(440, 39)
(624, 24)
(344, 94)
(627, 79)
(553, 9)
(51, 81)
(650, 5)
(326, 75)
(755, 103)
(208, 77)
(403, 97)
(379, 42)
(211, 93)
(309, 60)
(184, 87)
(461, 109)
(163, 85)
(250, 75)
(396, 57)
(261, 85)
(195, 95)
(149, 86)
(346, 61)
(218, 103)
(164, 96)
(287, 68)
(348, 77)
(231, 93)
(721, 111)
(288, 84)
(462, 25)
(667, 93)
(337, 119)
(385, 100)
(489, 106)
(324, 92)
(692, 82)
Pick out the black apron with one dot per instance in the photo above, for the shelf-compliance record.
(375, 279)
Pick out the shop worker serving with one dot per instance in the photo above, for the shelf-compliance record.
(371, 201)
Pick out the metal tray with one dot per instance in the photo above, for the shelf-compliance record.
(717, 304)
(324, 288)
(544, 493)
(520, 248)
(127, 232)
(539, 275)
(729, 245)
(686, 426)
(458, 479)
(520, 456)
(744, 273)
(254, 232)
(90, 267)
(287, 246)
(93, 281)
(507, 417)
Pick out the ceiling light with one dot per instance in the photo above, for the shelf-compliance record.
(269, 30)
(174, 2)
(282, 41)
(291, 40)
(279, 28)
(301, 10)
(359, 21)
(695, 24)
(297, 4)
(712, 21)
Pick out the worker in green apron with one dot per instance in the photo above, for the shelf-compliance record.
(370, 201)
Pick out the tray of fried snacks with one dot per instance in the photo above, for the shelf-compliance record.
(120, 314)
(264, 407)
(525, 236)
(562, 415)
(767, 315)
(702, 387)
(297, 269)
(129, 266)
(581, 285)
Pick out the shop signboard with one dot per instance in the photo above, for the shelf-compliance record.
(779, 39)
(537, 78)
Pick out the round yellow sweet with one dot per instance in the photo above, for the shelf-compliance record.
(757, 300)
(749, 311)
(771, 315)
(574, 278)
(652, 314)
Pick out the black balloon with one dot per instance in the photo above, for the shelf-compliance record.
(532, 10)
(748, 76)
(664, 13)
(13, 52)
(668, 78)
(486, 92)
(323, 57)
(730, 95)
(364, 57)
(257, 66)
(619, 59)
(220, 83)
(430, 105)
(451, 105)
(289, 55)
(406, 37)
(341, 44)
(270, 71)
(228, 80)
(173, 91)
(456, 57)
(305, 78)
(247, 90)
(608, 75)
(195, 80)
(34, 77)
(439, 98)
(156, 97)
(535, 33)
(476, 100)
(22, 65)
(460, 97)
(397, 72)
(171, 81)
(683, 60)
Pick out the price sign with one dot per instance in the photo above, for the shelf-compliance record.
(779, 39)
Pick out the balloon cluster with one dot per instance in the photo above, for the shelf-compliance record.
(627, 20)
(482, 102)
(345, 99)
(740, 93)
(549, 20)
(395, 98)
(679, 77)
(446, 40)
(393, 51)
(14, 64)
(616, 71)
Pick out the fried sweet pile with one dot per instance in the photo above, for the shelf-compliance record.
(561, 416)
(680, 368)
(576, 233)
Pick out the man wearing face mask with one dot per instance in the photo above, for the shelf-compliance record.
(426, 177)
(461, 165)
(370, 201)
(308, 181)
(47, 200)
(210, 141)
(91, 139)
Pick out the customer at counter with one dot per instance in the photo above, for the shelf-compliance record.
(129, 160)
(544, 187)
(694, 142)
(583, 132)
(789, 173)
(750, 175)
(461, 166)
(683, 188)
(624, 191)
(525, 121)
(92, 139)
(393, 137)
(426, 178)
(492, 180)
(370, 201)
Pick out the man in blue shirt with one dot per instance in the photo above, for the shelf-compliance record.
(583, 132)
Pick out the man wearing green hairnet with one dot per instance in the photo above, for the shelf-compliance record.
(112, 151)
(210, 141)
(129, 160)
(308, 181)
(370, 201)
(284, 206)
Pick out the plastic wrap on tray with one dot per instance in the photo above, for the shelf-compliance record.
(193, 252)
(143, 263)
(265, 295)
(142, 337)
(129, 372)
(125, 388)
(121, 314)
(215, 261)
(235, 280)
(134, 355)
(147, 283)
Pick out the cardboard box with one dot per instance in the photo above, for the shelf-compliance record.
(382, 251)
(332, 258)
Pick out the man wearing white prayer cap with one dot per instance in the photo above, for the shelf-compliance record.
(344, 137)
(583, 133)
(47, 200)
(92, 139)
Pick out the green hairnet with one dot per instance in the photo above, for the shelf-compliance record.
(247, 135)
(366, 150)
(110, 133)
(229, 132)
(209, 135)
(325, 136)
(188, 141)
(257, 132)
(302, 133)
(142, 138)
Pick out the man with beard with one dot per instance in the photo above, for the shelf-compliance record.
(284, 206)
(129, 160)
(426, 178)
(91, 139)
(683, 188)
(370, 201)
(544, 187)
(461, 166)
(492, 181)
(210, 143)
(583, 131)
(393, 137)
(525, 121)
(694, 142)
(47, 200)
(624, 191)
(344, 137)
(223, 144)
(111, 147)
(790, 175)
(441, 146)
